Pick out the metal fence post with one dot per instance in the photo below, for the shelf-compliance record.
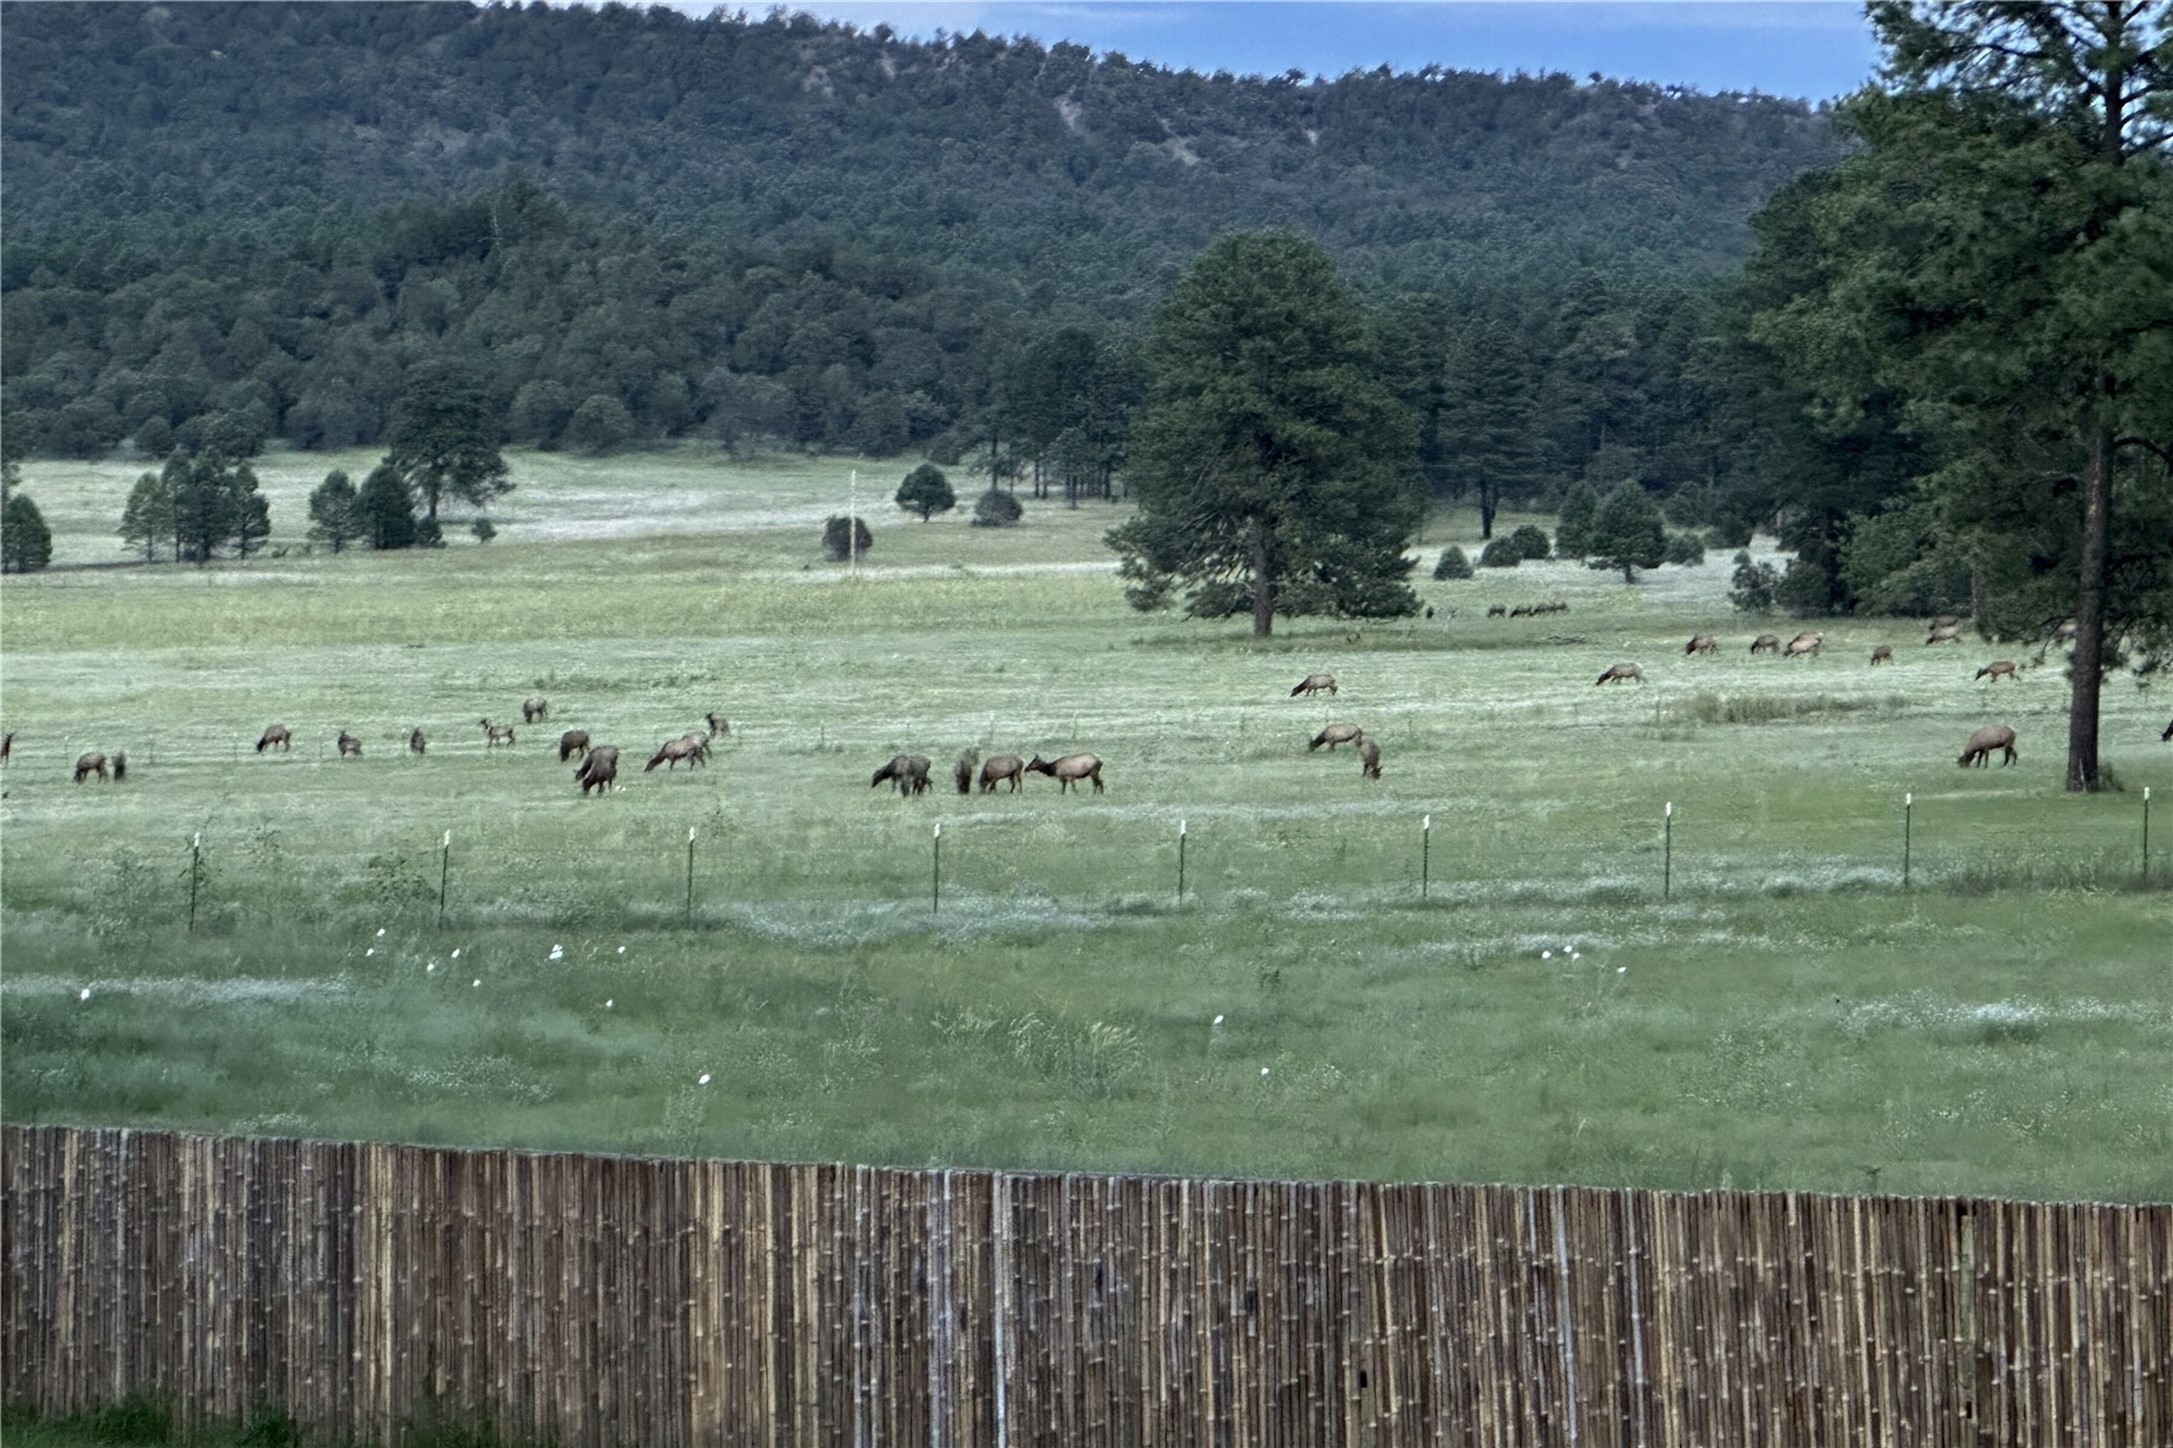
(1425, 856)
(1908, 812)
(690, 874)
(196, 875)
(2146, 832)
(1180, 862)
(935, 878)
(445, 866)
(1667, 851)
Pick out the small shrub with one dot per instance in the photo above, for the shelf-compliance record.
(1531, 543)
(1752, 587)
(843, 536)
(997, 509)
(483, 529)
(1687, 549)
(1501, 553)
(1453, 564)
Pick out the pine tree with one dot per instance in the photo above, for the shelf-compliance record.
(1628, 533)
(26, 544)
(926, 491)
(386, 509)
(335, 512)
(147, 522)
(445, 439)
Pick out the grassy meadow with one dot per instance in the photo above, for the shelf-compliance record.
(1788, 1017)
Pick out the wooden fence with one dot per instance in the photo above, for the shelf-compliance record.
(586, 1300)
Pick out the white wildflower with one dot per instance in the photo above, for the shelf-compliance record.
(702, 1080)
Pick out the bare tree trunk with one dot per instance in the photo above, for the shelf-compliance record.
(2087, 674)
(1263, 583)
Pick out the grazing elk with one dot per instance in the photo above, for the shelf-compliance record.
(572, 742)
(1369, 758)
(350, 747)
(1312, 684)
(690, 747)
(279, 737)
(999, 768)
(597, 770)
(1702, 644)
(1766, 644)
(535, 707)
(1945, 633)
(962, 772)
(1883, 654)
(1621, 674)
(909, 772)
(1336, 734)
(1497, 611)
(1804, 645)
(1069, 770)
(1981, 744)
(717, 723)
(90, 764)
(496, 734)
(2000, 669)
(416, 744)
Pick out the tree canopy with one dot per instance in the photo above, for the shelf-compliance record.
(1272, 469)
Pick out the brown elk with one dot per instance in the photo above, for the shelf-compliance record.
(90, 764)
(690, 747)
(597, 770)
(2000, 669)
(1702, 644)
(2166, 737)
(1069, 770)
(7, 745)
(1498, 611)
(717, 723)
(1883, 654)
(535, 707)
(572, 742)
(1981, 744)
(496, 734)
(1312, 684)
(1369, 758)
(1336, 734)
(1766, 644)
(1804, 645)
(279, 737)
(416, 744)
(908, 772)
(350, 747)
(999, 768)
(1621, 674)
(1945, 633)
(962, 772)
(2065, 632)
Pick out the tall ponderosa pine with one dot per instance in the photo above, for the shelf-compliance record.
(1487, 421)
(147, 521)
(1272, 469)
(215, 505)
(445, 439)
(1998, 256)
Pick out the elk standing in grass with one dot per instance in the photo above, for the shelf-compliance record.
(999, 768)
(350, 747)
(1313, 684)
(690, 747)
(1883, 654)
(416, 744)
(1945, 633)
(1766, 644)
(572, 742)
(597, 770)
(1702, 644)
(7, 745)
(90, 764)
(278, 737)
(1069, 770)
(1369, 758)
(1336, 734)
(2000, 669)
(907, 772)
(962, 772)
(1804, 645)
(1621, 674)
(1981, 744)
(496, 734)
(535, 707)
(717, 723)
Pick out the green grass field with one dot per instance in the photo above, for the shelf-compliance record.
(1790, 1017)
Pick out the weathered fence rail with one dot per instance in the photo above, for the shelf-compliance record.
(590, 1300)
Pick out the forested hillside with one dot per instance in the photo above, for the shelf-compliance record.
(255, 221)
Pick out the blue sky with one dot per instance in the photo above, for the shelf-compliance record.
(1814, 48)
